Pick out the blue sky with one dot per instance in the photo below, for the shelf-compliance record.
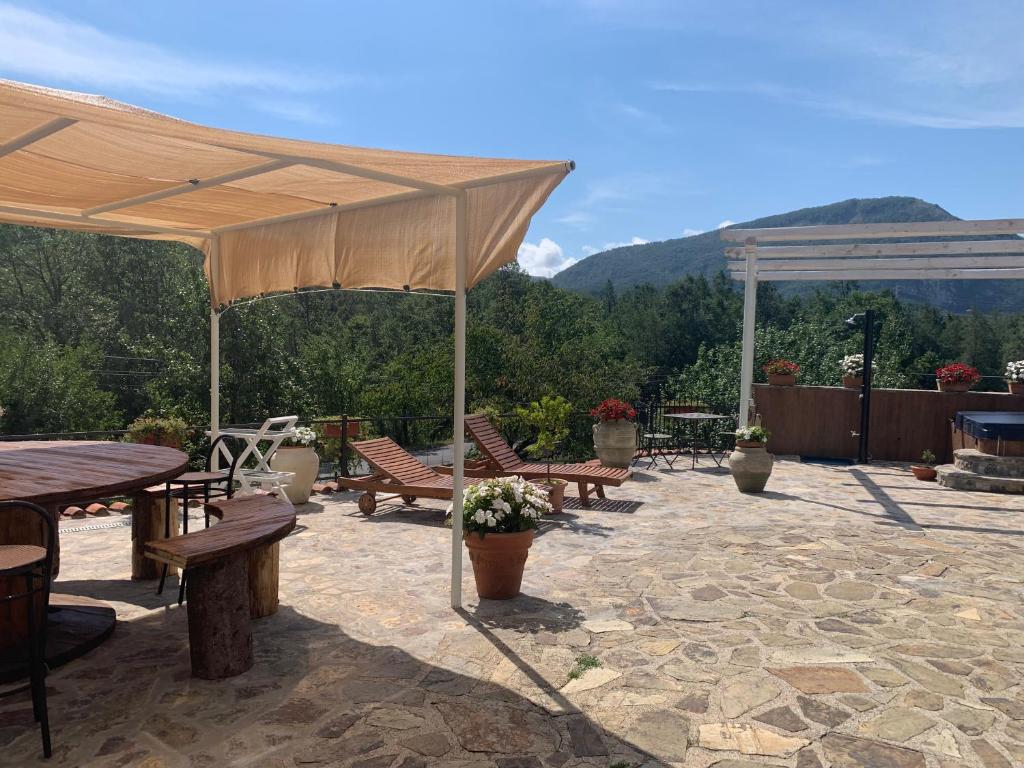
(680, 115)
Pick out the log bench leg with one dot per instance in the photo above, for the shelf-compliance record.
(148, 525)
(584, 494)
(219, 628)
(264, 574)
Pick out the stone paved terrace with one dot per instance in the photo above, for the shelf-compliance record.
(848, 617)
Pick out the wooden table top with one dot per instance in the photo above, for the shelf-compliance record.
(72, 470)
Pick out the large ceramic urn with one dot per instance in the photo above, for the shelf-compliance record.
(615, 442)
(304, 463)
(750, 465)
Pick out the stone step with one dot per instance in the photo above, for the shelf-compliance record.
(951, 477)
(971, 460)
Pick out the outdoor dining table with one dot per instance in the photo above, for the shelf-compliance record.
(54, 475)
(696, 420)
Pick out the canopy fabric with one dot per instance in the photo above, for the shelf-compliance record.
(271, 214)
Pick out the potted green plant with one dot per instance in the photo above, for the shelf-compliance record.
(499, 517)
(956, 377)
(925, 471)
(1015, 377)
(615, 433)
(298, 456)
(781, 373)
(853, 371)
(168, 431)
(750, 464)
(550, 417)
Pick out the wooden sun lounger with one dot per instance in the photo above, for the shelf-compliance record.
(395, 471)
(502, 460)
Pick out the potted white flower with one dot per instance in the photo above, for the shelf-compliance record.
(1015, 377)
(853, 371)
(750, 464)
(498, 520)
(297, 456)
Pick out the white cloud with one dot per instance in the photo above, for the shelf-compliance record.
(687, 232)
(578, 219)
(633, 241)
(725, 223)
(55, 49)
(545, 258)
(641, 117)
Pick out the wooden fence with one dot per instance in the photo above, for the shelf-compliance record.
(822, 421)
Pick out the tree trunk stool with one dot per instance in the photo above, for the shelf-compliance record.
(148, 511)
(233, 568)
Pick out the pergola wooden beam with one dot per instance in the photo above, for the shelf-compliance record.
(1016, 273)
(937, 248)
(31, 137)
(923, 264)
(869, 231)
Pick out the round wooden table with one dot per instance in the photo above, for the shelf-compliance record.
(57, 474)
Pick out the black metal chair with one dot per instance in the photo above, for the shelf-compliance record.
(196, 485)
(654, 437)
(34, 564)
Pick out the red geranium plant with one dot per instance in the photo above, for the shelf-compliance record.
(781, 368)
(613, 410)
(958, 373)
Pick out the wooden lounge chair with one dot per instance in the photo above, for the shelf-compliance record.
(502, 460)
(396, 471)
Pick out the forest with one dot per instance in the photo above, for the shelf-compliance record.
(99, 330)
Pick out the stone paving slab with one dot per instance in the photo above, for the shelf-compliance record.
(846, 617)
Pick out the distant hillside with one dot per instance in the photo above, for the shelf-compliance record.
(665, 262)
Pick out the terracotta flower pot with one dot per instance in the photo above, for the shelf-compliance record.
(853, 382)
(615, 442)
(924, 473)
(750, 466)
(782, 379)
(332, 430)
(556, 493)
(953, 386)
(1016, 387)
(498, 562)
(159, 438)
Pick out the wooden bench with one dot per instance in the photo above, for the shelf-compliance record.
(233, 571)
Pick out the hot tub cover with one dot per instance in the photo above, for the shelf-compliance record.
(991, 425)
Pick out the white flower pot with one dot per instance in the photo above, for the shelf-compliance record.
(750, 466)
(615, 442)
(304, 463)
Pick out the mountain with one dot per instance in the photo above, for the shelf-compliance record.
(665, 262)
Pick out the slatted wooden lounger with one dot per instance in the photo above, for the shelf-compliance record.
(396, 471)
(502, 460)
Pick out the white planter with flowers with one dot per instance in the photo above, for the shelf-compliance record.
(750, 464)
(298, 456)
(499, 517)
(1015, 377)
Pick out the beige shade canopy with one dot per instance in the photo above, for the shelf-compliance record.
(271, 214)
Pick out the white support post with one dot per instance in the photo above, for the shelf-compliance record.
(214, 355)
(458, 449)
(749, 323)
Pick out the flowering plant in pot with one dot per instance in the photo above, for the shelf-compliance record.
(615, 433)
(168, 431)
(499, 517)
(298, 456)
(781, 373)
(853, 370)
(1015, 377)
(750, 464)
(926, 470)
(957, 377)
(550, 417)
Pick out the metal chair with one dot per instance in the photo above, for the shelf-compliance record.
(196, 485)
(653, 436)
(34, 564)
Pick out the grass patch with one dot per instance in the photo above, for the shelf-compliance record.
(583, 663)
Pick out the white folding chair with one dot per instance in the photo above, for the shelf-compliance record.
(260, 445)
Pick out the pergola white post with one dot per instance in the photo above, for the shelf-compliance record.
(749, 324)
(214, 356)
(458, 426)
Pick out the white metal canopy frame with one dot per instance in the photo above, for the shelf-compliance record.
(272, 215)
(932, 256)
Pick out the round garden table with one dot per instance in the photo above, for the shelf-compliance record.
(57, 474)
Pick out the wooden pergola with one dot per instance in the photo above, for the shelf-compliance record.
(811, 253)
